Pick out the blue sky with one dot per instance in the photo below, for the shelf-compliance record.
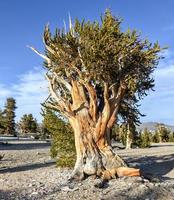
(22, 23)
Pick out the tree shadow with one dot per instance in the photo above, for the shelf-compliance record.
(24, 146)
(141, 192)
(7, 194)
(156, 166)
(27, 167)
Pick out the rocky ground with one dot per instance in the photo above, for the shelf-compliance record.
(28, 172)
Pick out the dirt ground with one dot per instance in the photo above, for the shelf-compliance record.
(28, 172)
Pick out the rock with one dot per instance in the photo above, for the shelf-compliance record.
(68, 189)
(34, 193)
(146, 180)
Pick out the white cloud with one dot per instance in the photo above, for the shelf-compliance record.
(165, 72)
(4, 92)
(159, 105)
(29, 92)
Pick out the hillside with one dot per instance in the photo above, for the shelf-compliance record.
(151, 126)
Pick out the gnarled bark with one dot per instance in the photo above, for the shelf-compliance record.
(92, 141)
(91, 117)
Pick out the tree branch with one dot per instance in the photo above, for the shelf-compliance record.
(115, 104)
(41, 55)
(65, 106)
(64, 82)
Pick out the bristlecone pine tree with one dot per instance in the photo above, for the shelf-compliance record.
(28, 124)
(10, 116)
(92, 69)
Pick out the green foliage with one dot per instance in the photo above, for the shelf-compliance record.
(62, 135)
(10, 116)
(144, 139)
(171, 137)
(123, 132)
(155, 137)
(28, 124)
(141, 139)
(2, 122)
(102, 53)
(162, 134)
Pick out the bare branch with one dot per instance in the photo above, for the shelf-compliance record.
(65, 106)
(80, 108)
(53, 93)
(71, 26)
(56, 108)
(63, 81)
(112, 86)
(41, 55)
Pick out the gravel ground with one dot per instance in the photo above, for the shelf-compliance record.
(28, 172)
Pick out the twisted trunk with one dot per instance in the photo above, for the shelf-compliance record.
(94, 155)
(92, 126)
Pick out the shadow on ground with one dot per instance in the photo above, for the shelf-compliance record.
(7, 194)
(24, 146)
(27, 167)
(157, 166)
(141, 193)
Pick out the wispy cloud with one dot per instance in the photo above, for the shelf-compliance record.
(159, 105)
(29, 92)
(165, 72)
(4, 91)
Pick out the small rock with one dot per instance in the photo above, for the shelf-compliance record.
(145, 180)
(68, 189)
(34, 193)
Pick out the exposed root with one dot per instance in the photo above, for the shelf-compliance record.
(119, 172)
(127, 171)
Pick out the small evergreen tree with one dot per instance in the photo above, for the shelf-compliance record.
(28, 124)
(145, 139)
(62, 135)
(162, 133)
(155, 137)
(9, 111)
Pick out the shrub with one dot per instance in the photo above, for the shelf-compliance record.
(171, 137)
(144, 139)
(62, 146)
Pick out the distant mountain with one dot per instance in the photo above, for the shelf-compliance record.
(151, 126)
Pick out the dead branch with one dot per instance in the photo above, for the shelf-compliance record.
(41, 55)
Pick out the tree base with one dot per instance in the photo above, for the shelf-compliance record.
(106, 168)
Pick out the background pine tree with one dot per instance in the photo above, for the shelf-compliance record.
(10, 116)
(28, 124)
